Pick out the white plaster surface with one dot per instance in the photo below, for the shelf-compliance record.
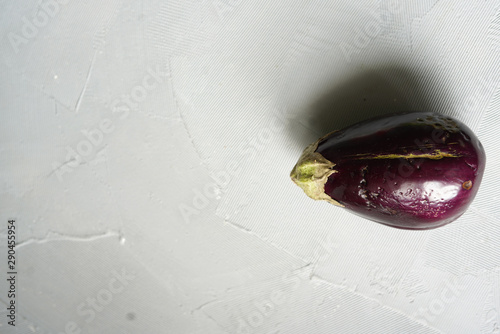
(145, 155)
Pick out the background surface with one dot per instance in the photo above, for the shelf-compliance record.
(146, 148)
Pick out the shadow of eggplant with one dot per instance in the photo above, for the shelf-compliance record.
(369, 93)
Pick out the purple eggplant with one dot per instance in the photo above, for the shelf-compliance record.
(416, 170)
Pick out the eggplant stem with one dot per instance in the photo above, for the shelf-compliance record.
(311, 173)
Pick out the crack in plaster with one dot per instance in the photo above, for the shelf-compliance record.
(55, 236)
(184, 122)
(200, 308)
(248, 231)
(87, 80)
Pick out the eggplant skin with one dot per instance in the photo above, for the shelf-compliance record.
(415, 170)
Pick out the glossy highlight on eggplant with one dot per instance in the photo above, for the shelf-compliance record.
(415, 170)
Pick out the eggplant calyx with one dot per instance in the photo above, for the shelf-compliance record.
(311, 173)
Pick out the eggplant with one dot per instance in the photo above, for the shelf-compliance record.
(413, 170)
